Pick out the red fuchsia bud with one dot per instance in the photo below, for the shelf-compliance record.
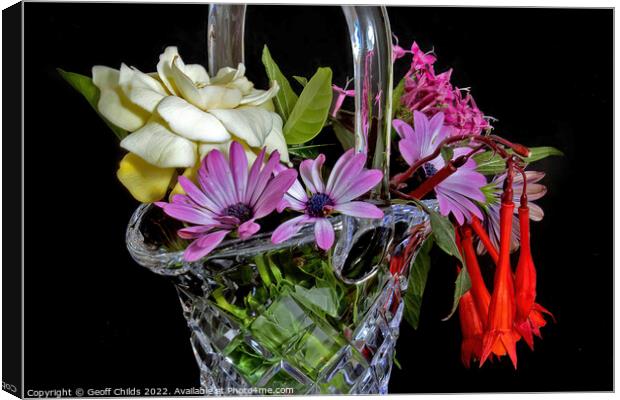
(480, 293)
(521, 150)
(528, 319)
(471, 329)
(500, 326)
(484, 238)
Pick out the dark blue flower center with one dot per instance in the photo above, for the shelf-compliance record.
(240, 211)
(315, 207)
(429, 169)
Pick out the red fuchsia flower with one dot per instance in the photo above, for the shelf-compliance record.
(500, 326)
(347, 181)
(534, 190)
(431, 93)
(456, 193)
(529, 315)
(472, 329)
(229, 197)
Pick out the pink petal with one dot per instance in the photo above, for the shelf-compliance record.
(248, 228)
(359, 209)
(204, 245)
(239, 167)
(324, 233)
(365, 181)
(289, 228)
(273, 193)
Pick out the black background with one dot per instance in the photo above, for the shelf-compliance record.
(94, 318)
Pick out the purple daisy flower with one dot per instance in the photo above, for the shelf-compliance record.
(534, 192)
(456, 193)
(229, 197)
(347, 181)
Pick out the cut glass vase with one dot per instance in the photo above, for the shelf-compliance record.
(288, 318)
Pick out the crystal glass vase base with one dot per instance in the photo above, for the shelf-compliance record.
(289, 318)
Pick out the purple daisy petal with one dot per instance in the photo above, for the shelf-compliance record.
(193, 232)
(317, 166)
(536, 212)
(404, 130)
(207, 185)
(221, 176)
(204, 245)
(253, 176)
(289, 228)
(195, 194)
(248, 228)
(333, 177)
(239, 167)
(186, 213)
(409, 151)
(346, 175)
(324, 233)
(365, 181)
(264, 176)
(359, 209)
(305, 170)
(274, 192)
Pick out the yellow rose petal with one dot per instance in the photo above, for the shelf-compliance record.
(191, 174)
(146, 182)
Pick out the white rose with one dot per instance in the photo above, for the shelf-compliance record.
(179, 113)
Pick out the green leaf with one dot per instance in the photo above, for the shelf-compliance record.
(443, 232)
(417, 284)
(303, 81)
(344, 136)
(87, 88)
(286, 98)
(310, 112)
(490, 163)
(308, 151)
(447, 153)
(461, 286)
(323, 299)
(397, 93)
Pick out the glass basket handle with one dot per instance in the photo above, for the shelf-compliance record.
(371, 45)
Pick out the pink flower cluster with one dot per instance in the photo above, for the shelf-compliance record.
(432, 93)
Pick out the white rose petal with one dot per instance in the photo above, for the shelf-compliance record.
(141, 88)
(158, 146)
(205, 148)
(251, 124)
(191, 122)
(219, 97)
(184, 84)
(164, 68)
(105, 77)
(275, 140)
(258, 97)
(197, 73)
